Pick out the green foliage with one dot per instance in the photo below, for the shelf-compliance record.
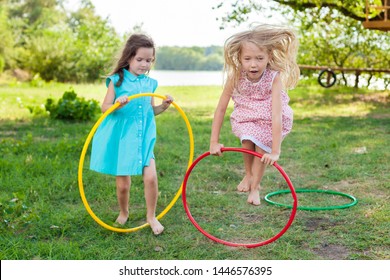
(39, 36)
(6, 38)
(240, 10)
(37, 111)
(330, 34)
(328, 38)
(1, 64)
(72, 107)
(94, 43)
(48, 53)
(37, 81)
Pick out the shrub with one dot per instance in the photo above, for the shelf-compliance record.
(71, 107)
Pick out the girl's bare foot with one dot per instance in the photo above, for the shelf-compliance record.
(244, 185)
(254, 197)
(122, 218)
(156, 226)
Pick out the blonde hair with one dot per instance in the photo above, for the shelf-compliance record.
(281, 44)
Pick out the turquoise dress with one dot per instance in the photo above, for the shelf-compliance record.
(124, 142)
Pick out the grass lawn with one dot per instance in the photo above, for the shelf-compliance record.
(340, 142)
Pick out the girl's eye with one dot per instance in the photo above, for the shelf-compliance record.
(141, 59)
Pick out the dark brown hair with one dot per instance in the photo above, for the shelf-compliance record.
(130, 49)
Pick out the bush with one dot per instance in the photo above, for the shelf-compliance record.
(71, 107)
(38, 111)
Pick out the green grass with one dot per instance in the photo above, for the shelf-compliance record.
(339, 142)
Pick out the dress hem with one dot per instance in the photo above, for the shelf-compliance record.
(256, 142)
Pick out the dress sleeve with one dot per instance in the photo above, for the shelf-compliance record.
(113, 79)
(273, 75)
(155, 85)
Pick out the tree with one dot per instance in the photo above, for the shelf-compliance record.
(23, 19)
(6, 39)
(41, 37)
(355, 9)
(95, 42)
(334, 40)
(330, 31)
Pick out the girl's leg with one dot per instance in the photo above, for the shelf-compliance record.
(258, 170)
(122, 193)
(245, 184)
(151, 194)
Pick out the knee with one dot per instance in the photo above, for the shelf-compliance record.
(123, 189)
(150, 180)
(123, 185)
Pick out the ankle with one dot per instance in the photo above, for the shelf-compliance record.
(124, 213)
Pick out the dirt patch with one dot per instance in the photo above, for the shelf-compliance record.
(377, 97)
(331, 252)
(313, 224)
(248, 218)
(325, 250)
(382, 116)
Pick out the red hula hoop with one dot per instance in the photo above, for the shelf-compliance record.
(251, 245)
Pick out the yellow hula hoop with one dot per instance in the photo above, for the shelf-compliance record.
(85, 148)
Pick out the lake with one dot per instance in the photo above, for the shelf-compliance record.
(187, 78)
(207, 78)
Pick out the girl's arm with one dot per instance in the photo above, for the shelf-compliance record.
(109, 99)
(219, 114)
(163, 106)
(276, 122)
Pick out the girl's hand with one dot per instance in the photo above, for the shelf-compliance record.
(123, 100)
(215, 149)
(270, 159)
(167, 102)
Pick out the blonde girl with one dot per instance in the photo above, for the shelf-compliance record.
(260, 66)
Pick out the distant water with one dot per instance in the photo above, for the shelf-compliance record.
(206, 78)
(187, 78)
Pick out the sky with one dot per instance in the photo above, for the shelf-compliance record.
(171, 22)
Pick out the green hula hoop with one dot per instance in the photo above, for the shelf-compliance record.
(354, 200)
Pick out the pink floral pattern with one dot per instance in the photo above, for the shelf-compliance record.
(252, 115)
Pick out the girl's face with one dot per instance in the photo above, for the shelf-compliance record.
(142, 61)
(253, 60)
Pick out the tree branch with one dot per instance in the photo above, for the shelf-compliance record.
(303, 6)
